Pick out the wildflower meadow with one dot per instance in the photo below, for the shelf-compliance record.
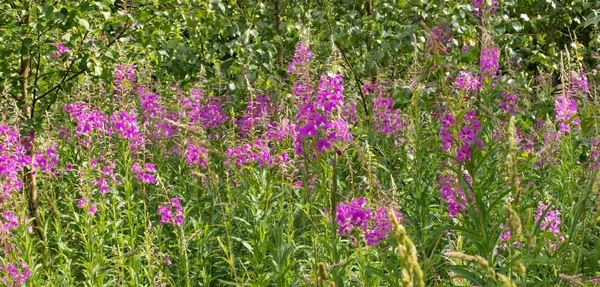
(299, 143)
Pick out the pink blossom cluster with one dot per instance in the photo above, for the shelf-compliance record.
(318, 118)
(124, 78)
(442, 34)
(15, 275)
(205, 112)
(154, 115)
(466, 134)
(580, 82)
(452, 195)
(488, 62)
(566, 106)
(165, 210)
(195, 155)
(84, 202)
(508, 103)
(301, 59)
(257, 153)
(550, 222)
(386, 119)
(47, 161)
(374, 224)
(481, 6)
(145, 174)
(125, 124)
(61, 49)
(258, 114)
(13, 159)
(466, 82)
(88, 120)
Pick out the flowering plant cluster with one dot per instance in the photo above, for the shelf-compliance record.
(372, 224)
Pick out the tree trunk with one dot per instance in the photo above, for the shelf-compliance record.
(29, 183)
(280, 44)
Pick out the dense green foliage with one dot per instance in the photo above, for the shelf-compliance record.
(299, 143)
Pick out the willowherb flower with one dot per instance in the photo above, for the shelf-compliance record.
(195, 155)
(580, 81)
(280, 131)
(386, 119)
(466, 82)
(551, 221)
(452, 194)
(144, 174)
(441, 34)
(154, 115)
(127, 127)
(318, 118)
(374, 224)
(13, 159)
(257, 114)
(301, 59)
(488, 62)
(61, 49)
(166, 212)
(565, 107)
(102, 184)
(205, 112)
(14, 276)
(124, 77)
(92, 209)
(466, 134)
(258, 152)
(508, 103)
(46, 162)
(482, 6)
(88, 120)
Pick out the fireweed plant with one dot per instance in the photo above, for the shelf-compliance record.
(464, 170)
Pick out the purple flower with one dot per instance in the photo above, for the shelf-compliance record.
(551, 221)
(374, 225)
(128, 128)
(488, 62)
(92, 210)
(581, 82)
(166, 212)
(14, 275)
(467, 82)
(88, 121)
(508, 103)
(61, 49)
(316, 119)
(452, 194)
(301, 59)
(387, 120)
(481, 6)
(124, 77)
(565, 107)
(195, 155)
(205, 112)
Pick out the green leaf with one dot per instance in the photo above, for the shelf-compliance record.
(84, 22)
(517, 26)
(27, 42)
(463, 272)
(591, 20)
